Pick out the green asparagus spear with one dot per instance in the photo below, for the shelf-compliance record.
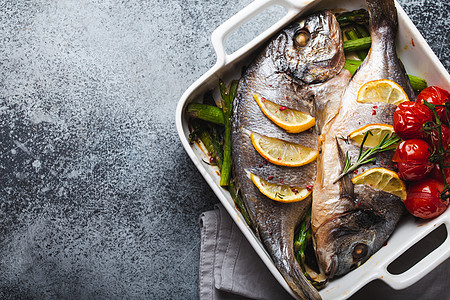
(353, 35)
(218, 145)
(357, 45)
(352, 65)
(417, 83)
(300, 241)
(303, 239)
(227, 97)
(360, 16)
(206, 112)
(362, 30)
(239, 203)
(200, 130)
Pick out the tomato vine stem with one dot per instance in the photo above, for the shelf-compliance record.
(438, 157)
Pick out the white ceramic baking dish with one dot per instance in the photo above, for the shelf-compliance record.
(410, 46)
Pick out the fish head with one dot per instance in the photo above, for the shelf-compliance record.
(310, 49)
(349, 239)
(350, 242)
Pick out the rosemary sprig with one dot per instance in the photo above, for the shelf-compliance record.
(386, 144)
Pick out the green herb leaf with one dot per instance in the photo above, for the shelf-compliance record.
(367, 156)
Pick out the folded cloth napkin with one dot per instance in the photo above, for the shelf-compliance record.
(229, 266)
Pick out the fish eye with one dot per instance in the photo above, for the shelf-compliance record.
(360, 251)
(302, 38)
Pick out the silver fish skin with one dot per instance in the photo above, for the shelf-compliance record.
(305, 76)
(350, 223)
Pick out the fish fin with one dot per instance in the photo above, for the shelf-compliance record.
(277, 51)
(347, 188)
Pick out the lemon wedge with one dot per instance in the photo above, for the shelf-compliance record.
(383, 90)
(280, 193)
(378, 131)
(384, 180)
(291, 120)
(283, 153)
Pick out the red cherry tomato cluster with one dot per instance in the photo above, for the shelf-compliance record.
(425, 179)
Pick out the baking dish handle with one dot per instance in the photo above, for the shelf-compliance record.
(424, 266)
(220, 34)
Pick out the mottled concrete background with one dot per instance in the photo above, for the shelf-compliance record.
(98, 198)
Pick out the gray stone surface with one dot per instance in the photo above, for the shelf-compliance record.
(98, 198)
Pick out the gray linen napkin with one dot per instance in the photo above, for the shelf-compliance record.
(229, 266)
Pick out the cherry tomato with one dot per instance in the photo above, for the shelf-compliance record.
(437, 174)
(435, 95)
(436, 171)
(412, 157)
(423, 199)
(433, 138)
(409, 118)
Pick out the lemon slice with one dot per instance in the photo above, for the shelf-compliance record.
(291, 120)
(283, 153)
(382, 179)
(280, 193)
(378, 131)
(382, 90)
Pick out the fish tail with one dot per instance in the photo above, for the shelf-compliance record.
(280, 245)
(293, 273)
(383, 14)
(383, 23)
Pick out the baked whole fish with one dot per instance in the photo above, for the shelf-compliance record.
(301, 68)
(351, 222)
